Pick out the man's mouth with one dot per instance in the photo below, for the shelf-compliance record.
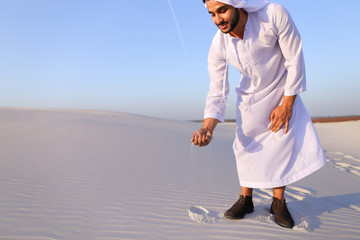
(222, 25)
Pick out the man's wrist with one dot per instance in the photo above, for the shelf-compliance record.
(288, 101)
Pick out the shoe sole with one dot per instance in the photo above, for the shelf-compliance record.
(282, 225)
(237, 218)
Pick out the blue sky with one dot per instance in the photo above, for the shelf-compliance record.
(135, 57)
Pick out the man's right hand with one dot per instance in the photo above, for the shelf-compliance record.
(201, 137)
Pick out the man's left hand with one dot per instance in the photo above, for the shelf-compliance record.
(281, 115)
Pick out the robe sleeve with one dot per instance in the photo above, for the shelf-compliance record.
(218, 91)
(291, 47)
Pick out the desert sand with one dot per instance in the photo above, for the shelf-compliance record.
(86, 175)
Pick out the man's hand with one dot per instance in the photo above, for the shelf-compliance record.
(201, 137)
(282, 114)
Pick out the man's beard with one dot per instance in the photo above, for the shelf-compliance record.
(233, 22)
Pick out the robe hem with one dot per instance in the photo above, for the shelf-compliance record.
(304, 173)
(296, 92)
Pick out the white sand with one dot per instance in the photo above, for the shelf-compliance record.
(100, 175)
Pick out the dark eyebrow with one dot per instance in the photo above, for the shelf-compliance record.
(220, 8)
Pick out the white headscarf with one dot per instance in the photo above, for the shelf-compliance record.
(247, 5)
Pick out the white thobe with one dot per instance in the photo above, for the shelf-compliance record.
(271, 63)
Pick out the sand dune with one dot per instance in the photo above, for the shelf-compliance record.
(335, 119)
(77, 175)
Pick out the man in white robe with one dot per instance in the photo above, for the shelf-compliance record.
(276, 143)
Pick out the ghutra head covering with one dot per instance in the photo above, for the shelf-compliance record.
(247, 5)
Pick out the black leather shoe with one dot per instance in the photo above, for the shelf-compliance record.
(282, 214)
(240, 208)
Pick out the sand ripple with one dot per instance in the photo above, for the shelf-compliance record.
(344, 162)
(95, 176)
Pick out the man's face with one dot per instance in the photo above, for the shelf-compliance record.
(224, 16)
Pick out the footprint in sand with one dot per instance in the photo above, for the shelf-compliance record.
(200, 214)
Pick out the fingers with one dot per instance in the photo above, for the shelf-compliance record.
(286, 127)
(278, 124)
(273, 119)
(196, 139)
(279, 118)
(201, 138)
(273, 125)
(208, 138)
(193, 138)
(272, 115)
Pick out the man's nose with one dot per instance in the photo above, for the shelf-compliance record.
(217, 19)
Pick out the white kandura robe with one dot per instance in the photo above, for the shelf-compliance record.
(271, 63)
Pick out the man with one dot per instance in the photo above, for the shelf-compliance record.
(276, 143)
